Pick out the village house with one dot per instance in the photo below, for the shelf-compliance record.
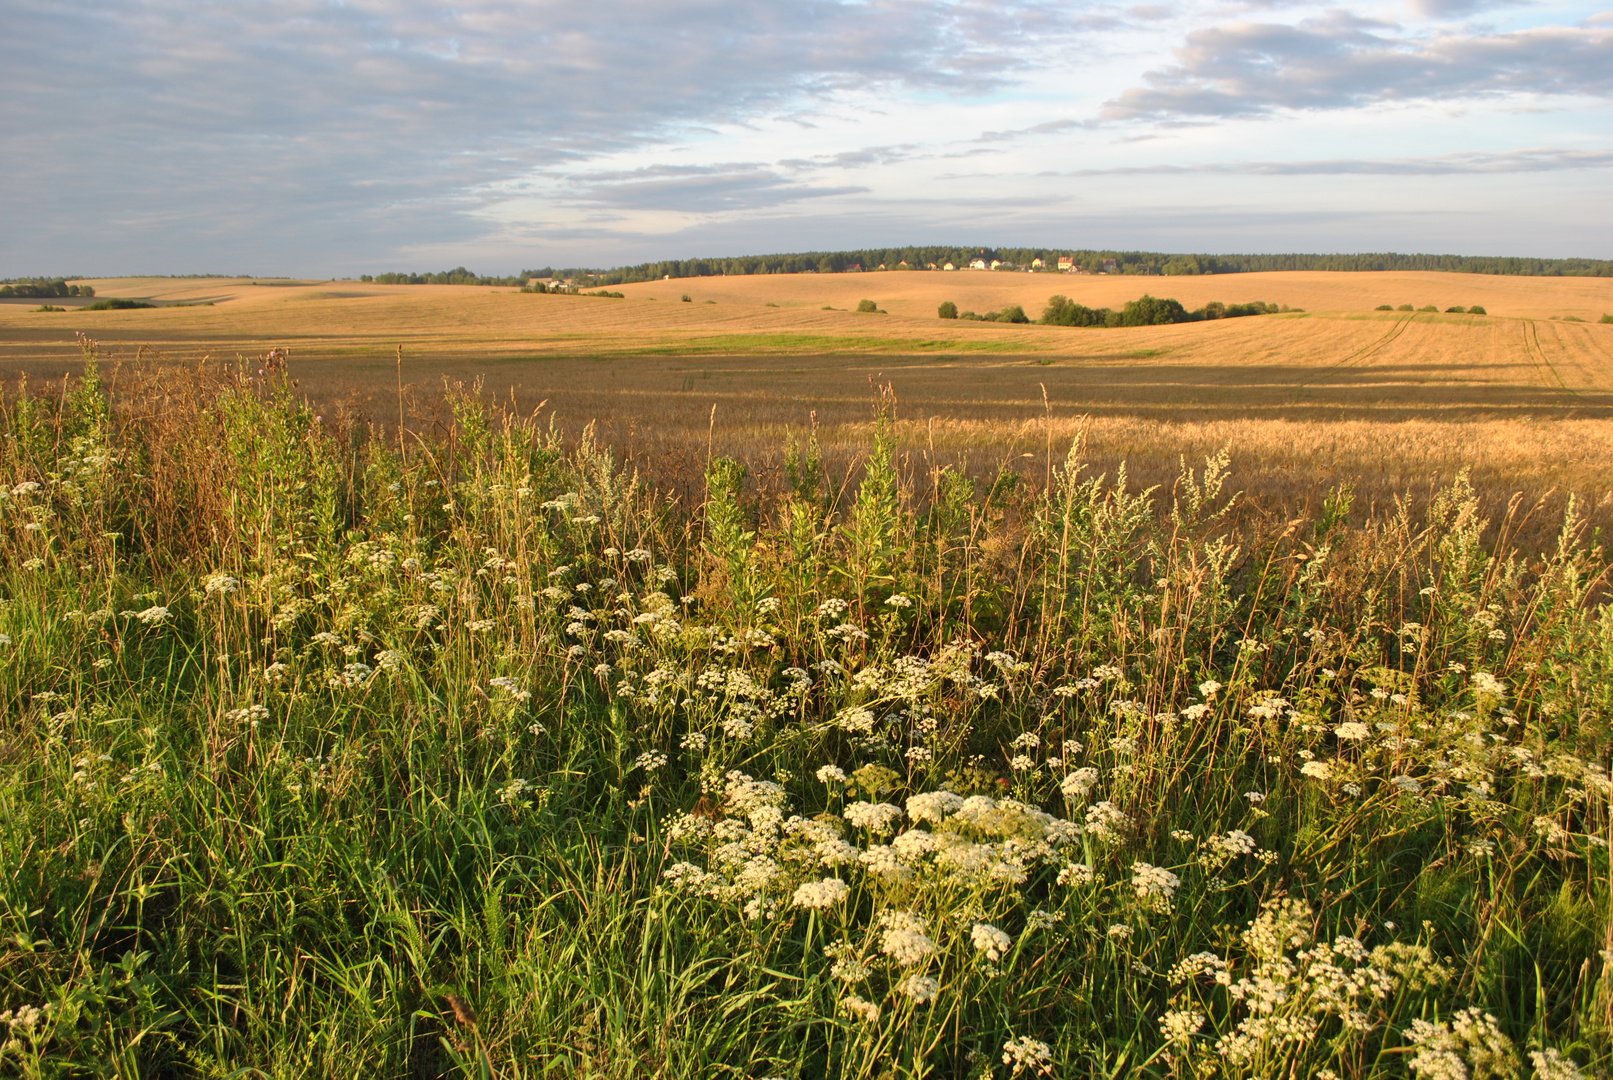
(978, 264)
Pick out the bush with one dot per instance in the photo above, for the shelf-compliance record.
(1457, 310)
(117, 304)
(1606, 319)
(868, 307)
(947, 310)
(1384, 307)
(1429, 307)
(1405, 307)
(687, 299)
(1476, 309)
(48, 307)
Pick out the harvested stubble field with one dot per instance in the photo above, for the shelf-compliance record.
(1391, 403)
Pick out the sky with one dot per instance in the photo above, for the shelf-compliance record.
(323, 138)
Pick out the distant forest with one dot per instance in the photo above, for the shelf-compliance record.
(1089, 261)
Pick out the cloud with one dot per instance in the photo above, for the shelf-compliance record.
(1339, 61)
(1499, 162)
(345, 123)
(695, 189)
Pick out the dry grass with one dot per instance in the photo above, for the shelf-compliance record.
(1390, 402)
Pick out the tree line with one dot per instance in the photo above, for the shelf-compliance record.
(43, 289)
(1090, 260)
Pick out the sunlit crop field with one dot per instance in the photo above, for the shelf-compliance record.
(1392, 403)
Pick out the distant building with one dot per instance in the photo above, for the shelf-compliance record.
(1066, 264)
(978, 264)
(1037, 263)
(948, 266)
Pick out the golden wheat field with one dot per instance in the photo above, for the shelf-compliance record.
(1391, 402)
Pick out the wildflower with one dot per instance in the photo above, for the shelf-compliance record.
(933, 806)
(219, 584)
(1180, 1025)
(831, 774)
(991, 941)
(1025, 1054)
(1209, 688)
(1486, 684)
(1352, 731)
(650, 761)
(1154, 885)
(920, 989)
(155, 615)
(1552, 1064)
(1107, 822)
(1079, 784)
(818, 895)
(858, 1009)
(1472, 1043)
(904, 939)
(1076, 874)
(856, 720)
(1316, 770)
(875, 817)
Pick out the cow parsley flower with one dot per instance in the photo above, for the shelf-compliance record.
(991, 941)
(818, 895)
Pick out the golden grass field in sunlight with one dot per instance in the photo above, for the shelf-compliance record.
(1392, 402)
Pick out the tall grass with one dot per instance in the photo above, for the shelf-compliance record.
(326, 752)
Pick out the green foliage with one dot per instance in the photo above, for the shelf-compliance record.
(947, 310)
(868, 307)
(117, 304)
(1384, 307)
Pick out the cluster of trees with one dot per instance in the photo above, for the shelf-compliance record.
(1476, 309)
(1148, 311)
(457, 276)
(1013, 313)
(43, 289)
(1143, 311)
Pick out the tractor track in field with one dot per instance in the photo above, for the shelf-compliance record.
(1368, 351)
(1537, 356)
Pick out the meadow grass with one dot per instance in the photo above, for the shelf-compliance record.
(332, 749)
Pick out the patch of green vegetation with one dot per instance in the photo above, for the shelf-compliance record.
(117, 304)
